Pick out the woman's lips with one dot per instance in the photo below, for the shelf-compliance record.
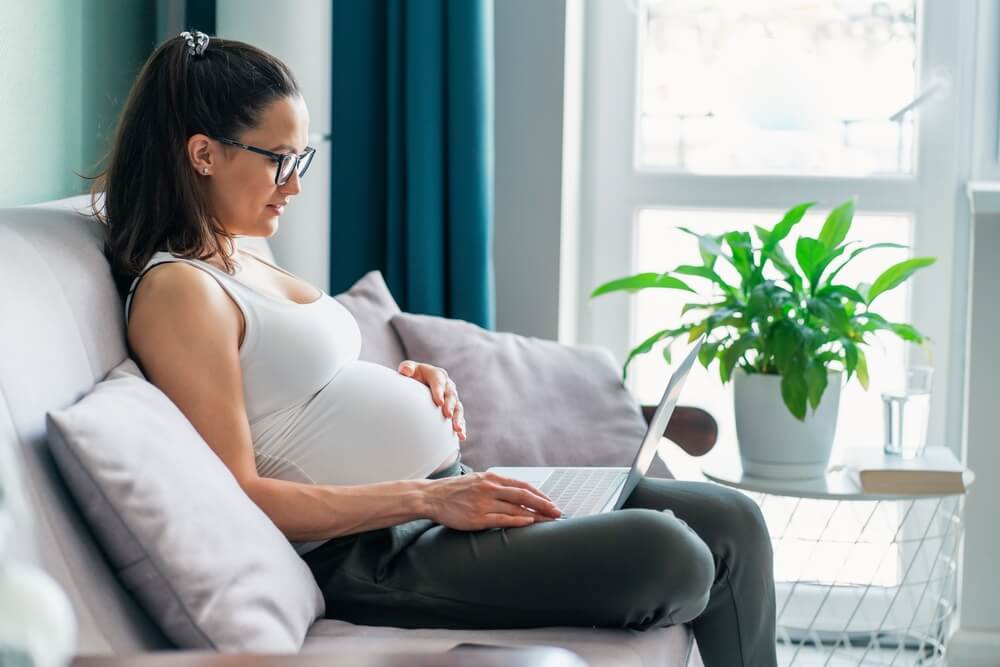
(277, 208)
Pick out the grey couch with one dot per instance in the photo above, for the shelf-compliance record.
(61, 331)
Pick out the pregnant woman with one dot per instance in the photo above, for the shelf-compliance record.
(357, 464)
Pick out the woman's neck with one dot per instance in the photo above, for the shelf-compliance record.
(230, 250)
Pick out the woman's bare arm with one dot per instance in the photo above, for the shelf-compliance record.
(185, 330)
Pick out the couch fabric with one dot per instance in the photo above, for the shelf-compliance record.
(61, 332)
(207, 564)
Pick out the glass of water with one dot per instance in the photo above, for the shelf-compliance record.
(907, 407)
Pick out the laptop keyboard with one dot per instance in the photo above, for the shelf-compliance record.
(581, 491)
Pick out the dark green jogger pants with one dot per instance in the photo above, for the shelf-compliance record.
(677, 552)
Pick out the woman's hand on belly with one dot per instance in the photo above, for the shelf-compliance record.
(481, 500)
(443, 391)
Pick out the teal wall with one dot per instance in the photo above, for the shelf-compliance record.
(65, 69)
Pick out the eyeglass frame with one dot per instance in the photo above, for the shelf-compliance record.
(310, 152)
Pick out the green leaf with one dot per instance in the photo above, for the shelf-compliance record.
(816, 381)
(783, 228)
(708, 245)
(641, 281)
(777, 257)
(862, 369)
(809, 253)
(829, 280)
(851, 357)
(841, 291)
(647, 345)
(814, 278)
(786, 343)
(837, 224)
(896, 274)
(687, 307)
(829, 355)
(707, 352)
(907, 332)
(708, 274)
(741, 247)
(794, 391)
(832, 313)
(734, 352)
(666, 353)
(763, 234)
(875, 322)
(697, 330)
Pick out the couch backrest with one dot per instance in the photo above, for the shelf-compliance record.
(61, 331)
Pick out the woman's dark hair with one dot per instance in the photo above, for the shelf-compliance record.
(152, 197)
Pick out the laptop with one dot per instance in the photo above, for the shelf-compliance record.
(585, 490)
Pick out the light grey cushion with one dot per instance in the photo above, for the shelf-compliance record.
(670, 646)
(209, 566)
(530, 401)
(370, 302)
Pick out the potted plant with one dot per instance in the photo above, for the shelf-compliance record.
(786, 332)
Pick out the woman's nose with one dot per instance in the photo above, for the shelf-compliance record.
(292, 186)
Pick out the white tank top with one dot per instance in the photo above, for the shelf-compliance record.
(318, 414)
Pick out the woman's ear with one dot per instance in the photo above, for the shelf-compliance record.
(201, 153)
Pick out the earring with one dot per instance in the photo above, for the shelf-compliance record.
(205, 170)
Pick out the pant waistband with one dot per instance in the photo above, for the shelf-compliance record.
(455, 469)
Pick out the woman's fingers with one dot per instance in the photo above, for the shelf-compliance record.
(528, 499)
(518, 514)
(458, 420)
(510, 481)
(440, 385)
(450, 402)
(513, 509)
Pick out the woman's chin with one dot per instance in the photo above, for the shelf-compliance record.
(268, 225)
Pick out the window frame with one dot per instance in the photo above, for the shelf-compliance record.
(613, 187)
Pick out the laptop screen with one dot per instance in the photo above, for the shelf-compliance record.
(658, 423)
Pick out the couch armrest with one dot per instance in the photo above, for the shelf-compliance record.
(693, 429)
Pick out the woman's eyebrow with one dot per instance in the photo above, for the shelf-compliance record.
(285, 146)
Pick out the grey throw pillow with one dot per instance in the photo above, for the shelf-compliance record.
(209, 566)
(530, 401)
(372, 305)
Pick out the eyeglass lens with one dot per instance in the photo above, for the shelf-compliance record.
(289, 163)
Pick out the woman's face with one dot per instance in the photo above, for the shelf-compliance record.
(242, 193)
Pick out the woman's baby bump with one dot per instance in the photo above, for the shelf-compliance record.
(370, 424)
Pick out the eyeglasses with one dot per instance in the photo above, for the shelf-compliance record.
(287, 162)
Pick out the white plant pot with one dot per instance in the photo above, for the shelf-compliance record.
(772, 442)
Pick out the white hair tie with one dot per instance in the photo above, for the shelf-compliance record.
(197, 42)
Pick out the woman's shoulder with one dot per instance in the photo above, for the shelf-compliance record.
(174, 291)
(176, 301)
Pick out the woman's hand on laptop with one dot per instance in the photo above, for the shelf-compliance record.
(481, 500)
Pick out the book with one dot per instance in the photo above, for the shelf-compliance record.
(935, 472)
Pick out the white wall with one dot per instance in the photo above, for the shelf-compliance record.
(529, 42)
(977, 641)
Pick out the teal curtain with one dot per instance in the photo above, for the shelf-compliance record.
(412, 143)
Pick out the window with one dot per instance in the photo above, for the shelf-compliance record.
(717, 115)
(788, 88)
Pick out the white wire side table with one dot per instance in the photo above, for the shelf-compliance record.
(861, 579)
